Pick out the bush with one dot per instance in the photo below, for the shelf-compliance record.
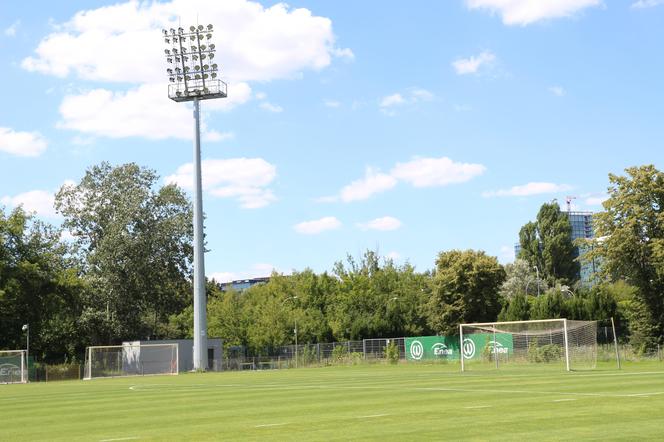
(392, 352)
(339, 353)
(545, 353)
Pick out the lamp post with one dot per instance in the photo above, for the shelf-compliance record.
(26, 329)
(295, 320)
(538, 281)
(193, 77)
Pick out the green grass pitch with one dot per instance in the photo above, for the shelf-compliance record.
(366, 402)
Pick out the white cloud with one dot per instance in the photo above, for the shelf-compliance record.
(383, 224)
(428, 172)
(525, 12)
(394, 256)
(11, 30)
(122, 44)
(642, 4)
(244, 179)
(409, 97)
(346, 53)
(419, 172)
(471, 65)
(462, 108)
(595, 200)
(144, 111)
(38, 201)
(534, 188)
(317, 226)
(22, 144)
(253, 42)
(214, 136)
(392, 100)
(558, 91)
(331, 103)
(270, 107)
(373, 182)
(506, 254)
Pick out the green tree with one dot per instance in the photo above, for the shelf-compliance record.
(631, 244)
(521, 279)
(39, 285)
(516, 309)
(547, 244)
(465, 289)
(136, 245)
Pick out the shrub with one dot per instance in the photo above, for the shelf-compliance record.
(392, 352)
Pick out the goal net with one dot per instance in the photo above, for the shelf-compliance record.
(571, 345)
(13, 367)
(131, 360)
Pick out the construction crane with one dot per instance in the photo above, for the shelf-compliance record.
(568, 200)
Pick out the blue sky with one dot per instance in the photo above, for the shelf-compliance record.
(407, 127)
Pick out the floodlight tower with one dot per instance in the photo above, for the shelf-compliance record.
(193, 77)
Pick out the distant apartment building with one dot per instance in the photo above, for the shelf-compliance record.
(582, 228)
(242, 284)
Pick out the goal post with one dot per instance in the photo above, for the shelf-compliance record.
(571, 345)
(13, 366)
(131, 359)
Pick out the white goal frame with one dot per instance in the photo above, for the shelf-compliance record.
(494, 327)
(6, 369)
(128, 354)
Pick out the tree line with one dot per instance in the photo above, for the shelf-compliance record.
(119, 268)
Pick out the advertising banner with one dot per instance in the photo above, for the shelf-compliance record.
(475, 346)
(432, 348)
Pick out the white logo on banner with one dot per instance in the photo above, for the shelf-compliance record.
(468, 349)
(497, 347)
(416, 350)
(440, 349)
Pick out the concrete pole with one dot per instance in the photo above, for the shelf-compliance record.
(200, 310)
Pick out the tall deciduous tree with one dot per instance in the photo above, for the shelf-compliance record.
(547, 244)
(136, 243)
(465, 289)
(39, 285)
(631, 244)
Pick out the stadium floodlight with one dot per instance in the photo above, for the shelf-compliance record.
(191, 81)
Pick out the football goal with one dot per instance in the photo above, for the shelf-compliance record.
(13, 366)
(131, 360)
(570, 345)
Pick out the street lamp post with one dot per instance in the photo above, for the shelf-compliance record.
(538, 281)
(26, 329)
(193, 77)
(295, 320)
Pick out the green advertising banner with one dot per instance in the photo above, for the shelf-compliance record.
(432, 347)
(477, 345)
(447, 347)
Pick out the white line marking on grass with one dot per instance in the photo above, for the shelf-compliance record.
(270, 425)
(371, 416)
(564, 400)
(120, 438)
(477, 407)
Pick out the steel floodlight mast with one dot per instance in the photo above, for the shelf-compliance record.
(193, 77)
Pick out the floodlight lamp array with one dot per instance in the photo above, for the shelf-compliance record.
(191, 69)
